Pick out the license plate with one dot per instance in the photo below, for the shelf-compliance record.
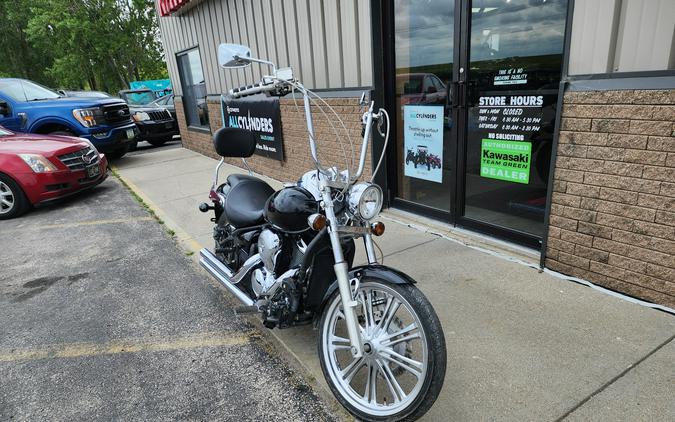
(93, 171)
(130, 134)
(168, 125)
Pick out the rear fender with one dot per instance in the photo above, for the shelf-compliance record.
(381, 273)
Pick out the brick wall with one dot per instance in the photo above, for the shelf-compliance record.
(613, 207)
(297, 159)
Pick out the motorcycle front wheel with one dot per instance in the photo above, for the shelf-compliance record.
(402, 369)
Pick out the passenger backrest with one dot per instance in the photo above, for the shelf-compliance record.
(234, 142)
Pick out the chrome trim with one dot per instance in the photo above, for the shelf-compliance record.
(370, 249)
(80, 159)
(223, 274)
(250, 172)
(248, 266)
(215, 174)
(278, 282)
(364, 144)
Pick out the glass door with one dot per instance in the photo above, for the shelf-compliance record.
(475, 92)
(424, 54)
(514, 61)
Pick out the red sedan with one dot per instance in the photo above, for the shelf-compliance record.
(38, 169)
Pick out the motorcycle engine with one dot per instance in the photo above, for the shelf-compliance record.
(269, 246)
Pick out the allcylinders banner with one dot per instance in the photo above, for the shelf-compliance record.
(262, 116)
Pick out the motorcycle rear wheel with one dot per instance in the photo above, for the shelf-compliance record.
(403, 367)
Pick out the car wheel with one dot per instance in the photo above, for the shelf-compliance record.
(62, 133)
(13, 201)
(118, 153)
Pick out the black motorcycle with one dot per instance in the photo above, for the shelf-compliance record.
(288, 255)
(411, 157)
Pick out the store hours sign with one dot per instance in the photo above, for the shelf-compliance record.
(262, 116)
(509, 124)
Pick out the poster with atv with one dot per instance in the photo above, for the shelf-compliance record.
(423, 142)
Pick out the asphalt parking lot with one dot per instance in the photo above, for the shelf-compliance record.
(103, 317)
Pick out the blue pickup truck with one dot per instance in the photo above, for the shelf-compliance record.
(29, 107)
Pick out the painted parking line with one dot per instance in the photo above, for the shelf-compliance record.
(79, 224)
(77, 350)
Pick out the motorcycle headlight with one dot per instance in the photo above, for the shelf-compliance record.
(38, 163)
(141, 116)
(87, 116)
(365, 200)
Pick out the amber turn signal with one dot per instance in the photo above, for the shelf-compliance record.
(316, 221)
(377, 228)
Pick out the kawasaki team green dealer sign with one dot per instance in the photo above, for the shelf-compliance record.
(506, 160)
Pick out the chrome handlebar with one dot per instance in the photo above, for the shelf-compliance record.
(276, 85)
(247, 90)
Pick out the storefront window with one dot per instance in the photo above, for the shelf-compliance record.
(424, 55)
(194, 88)
(515, 62)
(476, 109)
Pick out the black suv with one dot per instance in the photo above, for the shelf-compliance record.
(155, 124)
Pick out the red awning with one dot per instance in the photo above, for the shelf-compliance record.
(167, 7)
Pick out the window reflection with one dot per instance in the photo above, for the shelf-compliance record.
(517, 28)
(515, 51)
(194, 88)
(424, 53)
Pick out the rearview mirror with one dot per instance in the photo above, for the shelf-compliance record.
(232, 56)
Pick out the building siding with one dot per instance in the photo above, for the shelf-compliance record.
(622, 36)
(327, 42)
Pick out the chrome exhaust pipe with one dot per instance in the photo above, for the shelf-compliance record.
(223, 274)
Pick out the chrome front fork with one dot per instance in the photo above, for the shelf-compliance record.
(370, 248)
(341, 271)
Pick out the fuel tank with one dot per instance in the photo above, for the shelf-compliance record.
(289, 208)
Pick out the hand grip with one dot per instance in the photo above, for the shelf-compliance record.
(246, 90)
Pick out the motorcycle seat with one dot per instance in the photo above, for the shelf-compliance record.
(246, 200)
(234, 179)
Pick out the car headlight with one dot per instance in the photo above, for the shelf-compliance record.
(89, 142)
(141, 116)
(38, 163)
(87, 116)
(365, 200)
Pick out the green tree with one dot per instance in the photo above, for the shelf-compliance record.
(20, 59)
(94, 44)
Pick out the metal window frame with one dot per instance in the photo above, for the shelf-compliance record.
(192, 127)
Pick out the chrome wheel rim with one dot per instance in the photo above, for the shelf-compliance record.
(392, 371)
(7, 199)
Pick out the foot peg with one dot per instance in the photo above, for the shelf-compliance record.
(242, 310)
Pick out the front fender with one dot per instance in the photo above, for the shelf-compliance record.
(379, 272)
(35, 126)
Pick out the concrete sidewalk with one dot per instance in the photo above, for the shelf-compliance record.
(522, 345)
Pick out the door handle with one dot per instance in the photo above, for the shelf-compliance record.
(452, 94)
(456, 94)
